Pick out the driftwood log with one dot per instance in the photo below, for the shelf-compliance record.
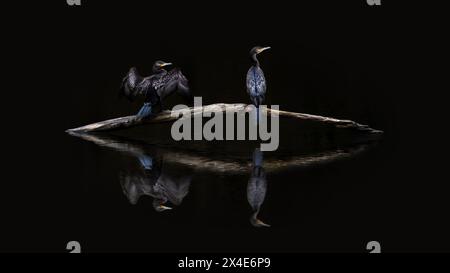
(168, 116)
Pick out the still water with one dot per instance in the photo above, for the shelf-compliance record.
(144, 192)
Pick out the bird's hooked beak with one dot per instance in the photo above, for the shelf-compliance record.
(263, 49)
(165, 64)
(161, 208)
(259, 223)
(256, 222)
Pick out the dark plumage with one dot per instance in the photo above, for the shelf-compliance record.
(156, 182)
(256, 82)
(155, 88)
(257, 188)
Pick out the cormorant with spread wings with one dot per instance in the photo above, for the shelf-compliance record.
(155, 88)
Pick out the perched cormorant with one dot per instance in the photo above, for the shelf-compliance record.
(256, 82)
(155, 87)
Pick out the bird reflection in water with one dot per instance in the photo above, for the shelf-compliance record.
(170, 182)
(154, 181)
(257, 188)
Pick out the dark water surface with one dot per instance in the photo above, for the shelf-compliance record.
(314, 192)
(222, 196)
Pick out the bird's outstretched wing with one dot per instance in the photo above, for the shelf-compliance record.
(134, 186)
(173, 81)
(175, 187)
(256, 83)
(133, 84)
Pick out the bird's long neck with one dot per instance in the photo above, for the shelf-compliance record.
(159, 71)
(255, 60)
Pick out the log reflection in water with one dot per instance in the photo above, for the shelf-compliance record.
(201, 162)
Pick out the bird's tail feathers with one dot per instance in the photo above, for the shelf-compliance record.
(257, 114)
(256, 104)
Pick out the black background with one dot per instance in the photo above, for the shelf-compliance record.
(343, 59)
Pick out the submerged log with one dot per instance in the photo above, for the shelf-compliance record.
(169, 116)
